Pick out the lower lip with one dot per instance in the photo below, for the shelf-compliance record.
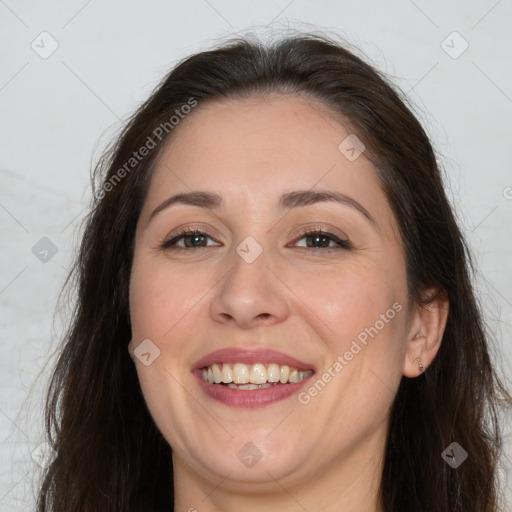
(249, 398)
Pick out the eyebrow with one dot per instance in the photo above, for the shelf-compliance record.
(295, 199)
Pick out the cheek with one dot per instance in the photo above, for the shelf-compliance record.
(360, 315)
(359, 312)
(161, 296)
(354, 302)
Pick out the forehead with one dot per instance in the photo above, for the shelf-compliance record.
(276, 142)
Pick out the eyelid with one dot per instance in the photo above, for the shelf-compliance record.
(317, 227)
(170, 240)
(341, 239)
(328, 232)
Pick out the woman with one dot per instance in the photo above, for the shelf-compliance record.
(275, 309)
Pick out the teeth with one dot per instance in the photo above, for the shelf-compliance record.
(285, 373)
(249, 386)
(240, 374)
(256, 376)
(294, 376)
(227, 374)
(273, 372)
(216, 373)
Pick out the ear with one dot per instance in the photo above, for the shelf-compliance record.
(427, 325)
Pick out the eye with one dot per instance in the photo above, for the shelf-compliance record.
(319, 239)
(188, 239)
(313, 239)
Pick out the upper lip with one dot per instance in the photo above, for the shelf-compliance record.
(251, 356)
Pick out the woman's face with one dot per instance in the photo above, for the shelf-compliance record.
(268, 263)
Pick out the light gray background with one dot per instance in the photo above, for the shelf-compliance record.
(56, 110)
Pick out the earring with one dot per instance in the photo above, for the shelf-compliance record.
(420, 364)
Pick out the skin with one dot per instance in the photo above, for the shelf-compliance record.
(308, 302)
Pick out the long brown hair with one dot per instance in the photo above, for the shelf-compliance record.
(110, 454)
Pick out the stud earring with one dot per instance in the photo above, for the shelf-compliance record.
(420, 364)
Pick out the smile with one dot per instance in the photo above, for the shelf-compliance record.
(255, 376)
(250, 378)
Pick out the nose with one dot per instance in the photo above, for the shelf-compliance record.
(250, 296)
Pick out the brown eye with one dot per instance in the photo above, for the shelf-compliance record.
(322, 240)
(188, 240)
(194, 240)
(318, 241)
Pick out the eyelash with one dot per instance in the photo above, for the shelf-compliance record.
(342, 244)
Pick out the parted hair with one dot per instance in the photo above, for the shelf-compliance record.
(110, 456)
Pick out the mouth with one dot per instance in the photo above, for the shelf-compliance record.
(256, 376)
(250, 378)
